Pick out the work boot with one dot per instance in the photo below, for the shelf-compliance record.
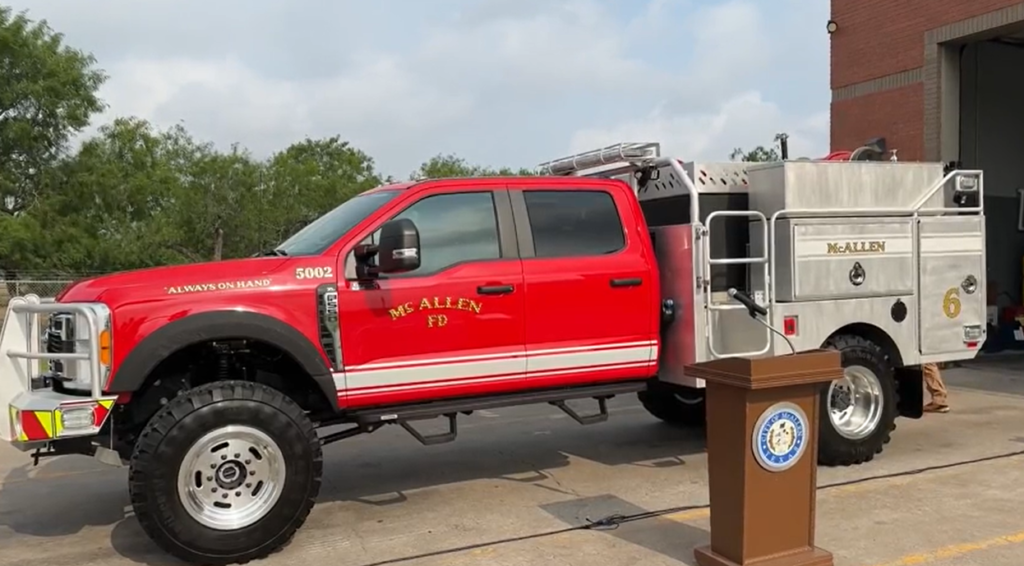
(934, 407)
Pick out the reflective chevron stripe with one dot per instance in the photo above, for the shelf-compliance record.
(34, 425)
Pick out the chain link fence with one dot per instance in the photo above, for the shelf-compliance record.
(46, 285)
(42, 287)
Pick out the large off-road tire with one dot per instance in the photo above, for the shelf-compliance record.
(858, 412)
(682, 406)
(225, 473)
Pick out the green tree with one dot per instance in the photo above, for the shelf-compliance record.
(305, 181)
(47, 95)
(214, 215)
(760, 153)
(136, 196)
(115, 204)
(443, 166)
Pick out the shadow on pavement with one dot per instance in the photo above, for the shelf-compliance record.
(378, 473)
(65, 495)
(670, 538)
(531, 454)
(62, 503)
(1001, 373)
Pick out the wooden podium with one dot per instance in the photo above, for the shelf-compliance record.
(762, 435)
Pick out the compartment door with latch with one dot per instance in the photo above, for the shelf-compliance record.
(952, 284)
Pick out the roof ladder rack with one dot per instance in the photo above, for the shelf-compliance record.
(612, 155)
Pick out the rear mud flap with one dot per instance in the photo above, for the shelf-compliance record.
(910, 386)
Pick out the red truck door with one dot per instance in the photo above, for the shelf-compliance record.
(590, 304)
(452, 327)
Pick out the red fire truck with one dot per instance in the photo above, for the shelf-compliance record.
(608, 275)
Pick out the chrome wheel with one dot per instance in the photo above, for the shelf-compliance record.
(231, 477)
(855, 403)
(695, 400)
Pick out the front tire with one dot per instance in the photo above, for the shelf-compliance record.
(225, 473)
(858, 412)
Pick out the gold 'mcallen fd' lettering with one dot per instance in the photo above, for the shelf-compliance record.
(435, 303)
(877, 247)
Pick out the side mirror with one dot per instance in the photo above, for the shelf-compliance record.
(399, 247)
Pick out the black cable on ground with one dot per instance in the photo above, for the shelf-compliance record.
(613, 521)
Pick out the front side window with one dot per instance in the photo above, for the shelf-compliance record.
(320, 234)
(454, 228)
(574, 223)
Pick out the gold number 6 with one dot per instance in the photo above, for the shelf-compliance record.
(951, 303)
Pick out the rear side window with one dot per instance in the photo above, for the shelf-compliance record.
(574, 223)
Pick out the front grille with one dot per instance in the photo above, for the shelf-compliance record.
(59, 338)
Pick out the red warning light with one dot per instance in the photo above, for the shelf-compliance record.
(789, 326)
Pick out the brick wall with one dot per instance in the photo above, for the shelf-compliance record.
(882, 37)
(885, 66)
(897, 115)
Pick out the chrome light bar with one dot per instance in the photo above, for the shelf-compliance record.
(611, 155)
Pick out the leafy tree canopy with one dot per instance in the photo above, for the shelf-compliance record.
(760, 153)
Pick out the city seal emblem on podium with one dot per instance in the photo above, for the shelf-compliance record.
(780, 437)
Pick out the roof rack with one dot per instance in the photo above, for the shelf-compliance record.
(612, 155)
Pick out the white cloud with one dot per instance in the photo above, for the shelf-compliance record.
(501, 82)
(555, 50)
(730, 40)
(227, 101)
(722, 105)
(744, 121)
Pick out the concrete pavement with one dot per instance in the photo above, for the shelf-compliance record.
(510, 490)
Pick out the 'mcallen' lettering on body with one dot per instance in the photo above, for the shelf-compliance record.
(877, 247)
(435, 303)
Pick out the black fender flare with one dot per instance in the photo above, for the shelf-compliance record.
(221, 325)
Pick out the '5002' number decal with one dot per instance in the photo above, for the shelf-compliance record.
(314, 273)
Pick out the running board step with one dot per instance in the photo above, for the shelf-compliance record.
(600, 417)
(431, 439)
(370, 420)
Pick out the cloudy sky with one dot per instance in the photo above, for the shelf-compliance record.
(499, 82)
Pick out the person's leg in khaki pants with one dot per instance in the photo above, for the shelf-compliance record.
(936, 388)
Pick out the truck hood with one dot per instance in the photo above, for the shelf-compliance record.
(142, 284)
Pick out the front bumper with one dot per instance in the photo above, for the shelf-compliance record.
(42, 416)
(37, 414)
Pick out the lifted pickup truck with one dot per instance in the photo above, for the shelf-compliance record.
(430, 299)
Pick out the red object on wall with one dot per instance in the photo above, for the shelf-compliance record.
(1010, 314)
(839, 156)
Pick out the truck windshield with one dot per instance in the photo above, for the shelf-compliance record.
(324, 231)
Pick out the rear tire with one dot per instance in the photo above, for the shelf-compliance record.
(677, 405)
(225, 473)
(858, 412)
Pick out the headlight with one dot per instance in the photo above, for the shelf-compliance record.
(77, 418)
